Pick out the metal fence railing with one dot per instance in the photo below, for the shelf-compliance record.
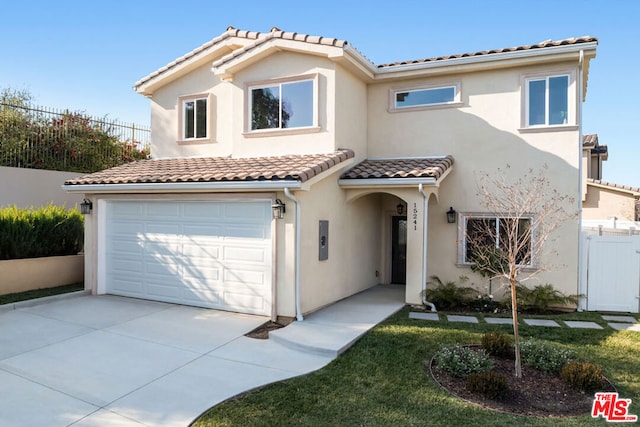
(45, 138)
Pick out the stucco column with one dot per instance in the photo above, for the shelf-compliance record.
(415, 229)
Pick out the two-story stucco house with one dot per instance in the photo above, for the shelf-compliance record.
(289, 172)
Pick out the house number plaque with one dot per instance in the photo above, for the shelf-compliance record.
(415, 216)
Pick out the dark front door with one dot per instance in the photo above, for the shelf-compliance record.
(399, 249)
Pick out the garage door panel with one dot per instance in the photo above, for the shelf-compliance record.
(245, 254)
(208, 254)
(200, 210)
(197, 231)
(162, 210)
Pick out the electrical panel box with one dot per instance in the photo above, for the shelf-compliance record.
(323, 241)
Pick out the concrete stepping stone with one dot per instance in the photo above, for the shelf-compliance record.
(424, 316)
(541, 322)
(625, 326)
(624, 319)
(582, 325)
(464, 319)
(499, 320)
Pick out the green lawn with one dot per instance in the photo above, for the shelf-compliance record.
(383, 380)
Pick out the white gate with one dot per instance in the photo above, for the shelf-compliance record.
(611, 269)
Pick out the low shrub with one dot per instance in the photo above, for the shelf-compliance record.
(545, 357)
(449, 294)
(490, 384)
(542, 297)
(582, 376)
(498, 344)
(460, 361)
(47, 231)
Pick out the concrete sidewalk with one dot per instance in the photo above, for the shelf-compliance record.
(110, 361)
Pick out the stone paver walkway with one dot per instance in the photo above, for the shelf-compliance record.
(620, 323)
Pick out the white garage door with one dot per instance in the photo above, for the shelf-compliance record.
(215, 254)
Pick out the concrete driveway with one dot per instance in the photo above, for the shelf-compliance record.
(111, 361)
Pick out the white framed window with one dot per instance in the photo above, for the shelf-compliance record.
(194, 118)
(425, 97)
(282, 104)
(479, 231)
(549, 101)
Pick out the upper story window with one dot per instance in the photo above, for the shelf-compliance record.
(194, 118)
(549, 102)
(425, 97)
(282, 104)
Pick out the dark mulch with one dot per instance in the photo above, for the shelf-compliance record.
(262, 331)
(537, 393)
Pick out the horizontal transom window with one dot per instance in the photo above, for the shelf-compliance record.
(425, 97)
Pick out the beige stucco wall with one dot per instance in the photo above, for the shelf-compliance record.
(27, 188)
(354, 239)
(604, 203)
(483, 136)
(20, 275)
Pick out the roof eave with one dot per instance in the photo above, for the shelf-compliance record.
(183, 187)
(493, 60)
(387, 182)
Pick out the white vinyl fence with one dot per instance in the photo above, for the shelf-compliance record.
(611, 272)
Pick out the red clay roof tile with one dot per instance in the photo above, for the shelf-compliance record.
(420, 167)
(217, 169)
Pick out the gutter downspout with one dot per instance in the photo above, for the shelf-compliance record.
(581, 290)
(290, 196)
(424, 249)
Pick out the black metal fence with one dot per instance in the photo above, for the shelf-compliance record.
(44, 138)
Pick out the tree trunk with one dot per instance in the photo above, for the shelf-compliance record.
(514, 314)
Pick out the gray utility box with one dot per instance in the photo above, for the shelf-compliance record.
(323, 241)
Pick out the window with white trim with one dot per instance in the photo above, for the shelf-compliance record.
(285, 104)
(194, 117)
(425, 97)
(491, 231)
(547, 100)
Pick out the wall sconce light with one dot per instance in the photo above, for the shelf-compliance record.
(278, 209)
(400, 208)
(451, 216)
(86, 207)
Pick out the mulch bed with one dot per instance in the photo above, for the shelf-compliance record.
(537, 393)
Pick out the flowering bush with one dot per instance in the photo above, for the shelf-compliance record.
(460, 361)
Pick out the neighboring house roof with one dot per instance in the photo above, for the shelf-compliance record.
(298, 168)
(419, 167)
(541, 45)
(590, 140)
(625, 188)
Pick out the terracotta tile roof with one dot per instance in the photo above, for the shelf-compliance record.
(590, 140)
(541, 45)
(612, 185)
(217, 169)
(419, 167)
(259, 38)
(276, 33)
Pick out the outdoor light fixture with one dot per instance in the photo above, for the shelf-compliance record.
(86, 207)
(278, 209)
(400, 208)
(451, 216)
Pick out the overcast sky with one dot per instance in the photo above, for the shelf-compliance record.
(85, 55)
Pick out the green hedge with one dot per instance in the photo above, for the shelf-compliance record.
(47, 231)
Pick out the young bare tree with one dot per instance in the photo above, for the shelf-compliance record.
(510, 239)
